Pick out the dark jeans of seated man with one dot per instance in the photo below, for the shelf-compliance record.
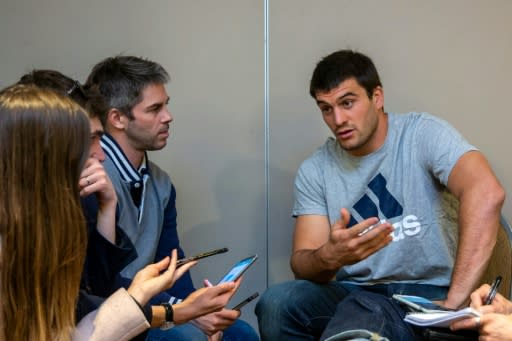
(303, 310)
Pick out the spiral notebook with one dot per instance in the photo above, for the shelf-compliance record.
(441, 318)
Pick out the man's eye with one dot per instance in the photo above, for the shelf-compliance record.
(325, 110)
(347, 103)
(154, 110)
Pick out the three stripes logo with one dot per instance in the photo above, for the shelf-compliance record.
(388, 205)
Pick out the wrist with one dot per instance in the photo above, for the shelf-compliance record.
(455, 301)
(158, 318)
(326, 259)
(169, 316)
(182, 313)
(137, 294)
(109, 205)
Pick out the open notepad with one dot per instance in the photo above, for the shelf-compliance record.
(439, 318)
(427, 313)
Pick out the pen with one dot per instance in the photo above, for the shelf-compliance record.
(493, 290)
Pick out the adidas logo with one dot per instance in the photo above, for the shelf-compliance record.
(387, 206)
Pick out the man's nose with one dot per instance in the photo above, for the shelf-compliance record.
(167, 116)
(339, 116)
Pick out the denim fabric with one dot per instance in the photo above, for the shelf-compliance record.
(362, 309)
(297, 310)
(303, 310)
(239, 331)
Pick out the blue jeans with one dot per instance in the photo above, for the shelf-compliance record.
(238, 331)
(303, 310)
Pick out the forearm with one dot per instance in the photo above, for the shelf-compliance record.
(314, 265)
(478, 225)
(470, 264)
(106, 221)
(184, 312)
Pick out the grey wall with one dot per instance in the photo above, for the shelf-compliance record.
(450, 58)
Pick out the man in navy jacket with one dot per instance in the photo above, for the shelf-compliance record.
(137, 120)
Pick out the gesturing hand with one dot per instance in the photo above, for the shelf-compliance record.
(350, 245)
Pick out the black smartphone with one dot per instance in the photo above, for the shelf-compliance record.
(182, 261)
(238, 269)
(244, 302)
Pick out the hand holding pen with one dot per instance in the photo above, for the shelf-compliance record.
(486, 299)
(493, 291)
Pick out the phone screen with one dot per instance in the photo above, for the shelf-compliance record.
(238, 269)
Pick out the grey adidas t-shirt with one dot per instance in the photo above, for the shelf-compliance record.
(404, 183)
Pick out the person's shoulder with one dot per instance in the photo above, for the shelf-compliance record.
(322, 152)
(417, 117)
(417, 122)
(320, 157)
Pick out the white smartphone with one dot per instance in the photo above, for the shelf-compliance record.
(238, 269)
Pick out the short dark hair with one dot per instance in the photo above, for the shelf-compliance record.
(88, 98)
(341, 65)
(122, 79)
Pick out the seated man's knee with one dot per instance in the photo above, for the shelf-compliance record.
(282, 297)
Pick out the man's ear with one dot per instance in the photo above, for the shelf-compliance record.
(116, 119)
(378, 97)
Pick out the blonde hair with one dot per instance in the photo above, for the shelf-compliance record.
(44, 139)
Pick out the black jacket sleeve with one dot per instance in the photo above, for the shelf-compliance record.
(104, 260)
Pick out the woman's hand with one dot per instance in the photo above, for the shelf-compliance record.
(156, 278)
(204, 301)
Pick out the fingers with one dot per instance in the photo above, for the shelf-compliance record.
(224, 288)
(163, 264)
(232, 314)
(223, 319)
(178, 272)
(90, 167)
(341, 224)
(478, 296)
(168, 264)
(94, 179)
(367, 226)
(182, 269)
(366, 239)
(468, 323)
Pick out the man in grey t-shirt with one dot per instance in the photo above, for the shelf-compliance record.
(370, 212)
